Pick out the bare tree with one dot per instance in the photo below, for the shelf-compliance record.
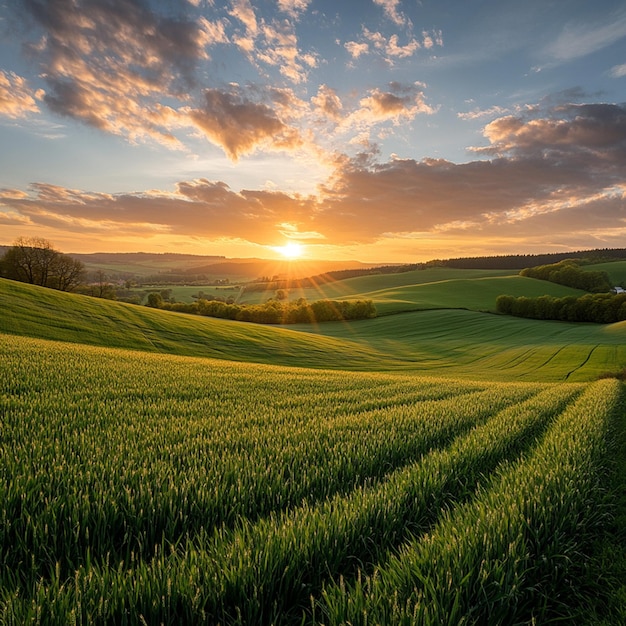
(22, 260)
(68, 272)
(33, 260)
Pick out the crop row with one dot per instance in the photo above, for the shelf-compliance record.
(504, 557)
(107, 452)
(142, 487)
(265, 572)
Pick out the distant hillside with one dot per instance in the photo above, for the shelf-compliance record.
(135, 264)
(521, 261)
(145, 258)
(253, 269)
(171, 267)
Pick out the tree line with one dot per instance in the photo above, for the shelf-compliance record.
(521, 261)
(602, 308)
(273, 311)
(569, 273)
(600, 305)
(33, 260)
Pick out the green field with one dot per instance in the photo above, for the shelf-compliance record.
(432, 288)
(442, 466)
(186, 293)
(450, 342)
(615, 269)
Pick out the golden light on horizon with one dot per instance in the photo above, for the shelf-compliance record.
(292, 250)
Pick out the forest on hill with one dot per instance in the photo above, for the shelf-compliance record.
(521, 261)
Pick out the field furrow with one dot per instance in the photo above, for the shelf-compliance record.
(133, 451)
(146, 488)
(499, 558)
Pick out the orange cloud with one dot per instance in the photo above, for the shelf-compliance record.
(17, 99)
(391, 11)
(199, 208)
(399, 102)
(480, 113)
(554, 175)
(294, 7)
(280, 49)
(390, 48)
(243, 11)
(546, 170)
(575, 130)
(240, 125)
(356, 49)
(111, 66)
(327, 102)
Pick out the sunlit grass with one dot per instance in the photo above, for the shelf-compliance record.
(457, 343)
(172, 489)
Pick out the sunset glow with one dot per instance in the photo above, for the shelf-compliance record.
(386, 130)
(291, 250)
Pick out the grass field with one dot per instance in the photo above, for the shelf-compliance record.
(442, 466)
(186, 293)
(432, 288)
(452, 342)
(615, 269)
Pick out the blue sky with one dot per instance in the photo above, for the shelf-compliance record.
(379, 130)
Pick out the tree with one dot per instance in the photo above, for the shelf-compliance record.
(29, 260)
(102, 288)
(155, 300)
(33, 260)
(67, 272)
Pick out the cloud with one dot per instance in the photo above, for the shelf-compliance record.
(280, 49)
(552, 173)
(114, 65)
(432, 39)
(389, 48)
(391, 11)
(395, 50)
(274, 42)
(17, 99)
(198, 208)
(356, 49)
(243, 11)
(328, 103)
(485, 198)
(129, 70)
(477, 114)
(578, 40)
(558, 162)
(294, 7)
(399, 102)
(239, 125)
(571, 132)
(618, 71)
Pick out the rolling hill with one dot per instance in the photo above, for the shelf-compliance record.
(434, 288)
(169, 468)
(444, 341)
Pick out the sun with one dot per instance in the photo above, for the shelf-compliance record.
(291, 250)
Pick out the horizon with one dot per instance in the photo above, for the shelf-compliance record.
(307, 261)
(303, 129)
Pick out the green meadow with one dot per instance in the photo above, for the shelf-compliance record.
(466, 341)
(424, 289)
(438, 464)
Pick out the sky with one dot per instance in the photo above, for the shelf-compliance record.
(371, 130)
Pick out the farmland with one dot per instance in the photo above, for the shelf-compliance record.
(452, 342)
(426, 467)
(433, 288)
